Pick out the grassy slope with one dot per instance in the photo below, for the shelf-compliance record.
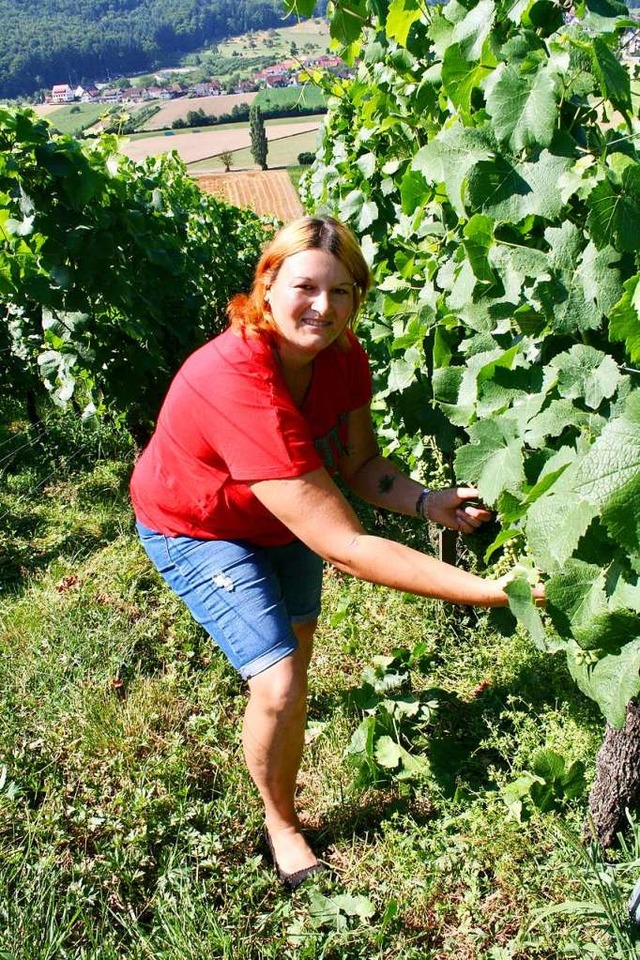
(75, 117)
(311, 34)
(128, 826)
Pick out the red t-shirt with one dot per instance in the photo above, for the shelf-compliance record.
(228, 419)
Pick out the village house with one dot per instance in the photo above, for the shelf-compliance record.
(62, 93)
(279, 75)
(111, 96)
(211, 88)
(134, 95)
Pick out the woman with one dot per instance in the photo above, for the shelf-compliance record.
(237, 507)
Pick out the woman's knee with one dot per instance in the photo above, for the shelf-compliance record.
(282, 688)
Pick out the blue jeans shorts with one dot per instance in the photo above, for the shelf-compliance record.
(246, 597)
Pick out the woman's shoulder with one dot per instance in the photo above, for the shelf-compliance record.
(228, 353)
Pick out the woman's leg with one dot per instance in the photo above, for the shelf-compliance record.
(273, 739)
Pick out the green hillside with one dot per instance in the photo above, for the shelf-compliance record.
(59, 41)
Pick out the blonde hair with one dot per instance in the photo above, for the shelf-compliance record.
(247, 312)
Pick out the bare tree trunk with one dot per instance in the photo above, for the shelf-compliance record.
(617, 784)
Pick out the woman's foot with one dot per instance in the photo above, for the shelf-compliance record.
(292, 856)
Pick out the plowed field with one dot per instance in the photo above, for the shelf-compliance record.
(266, 192)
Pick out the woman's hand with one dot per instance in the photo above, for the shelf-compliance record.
(452, 508)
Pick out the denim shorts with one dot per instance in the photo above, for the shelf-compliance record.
(246, 597)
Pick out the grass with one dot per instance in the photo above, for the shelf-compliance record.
(75, 117)
(129, 828)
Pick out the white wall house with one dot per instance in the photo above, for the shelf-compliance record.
(62, 93)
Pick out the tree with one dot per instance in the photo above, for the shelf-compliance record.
(484, 153)
(226, 158)
(259, 144)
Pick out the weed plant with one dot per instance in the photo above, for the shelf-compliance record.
(129, 828)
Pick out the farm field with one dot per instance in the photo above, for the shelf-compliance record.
(269, 193)
(282, 153)
(310, 34)
(193, 147)
(215, 106)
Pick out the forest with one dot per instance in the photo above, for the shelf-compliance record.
(91, 40)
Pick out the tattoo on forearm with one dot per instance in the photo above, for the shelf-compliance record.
(386, 482)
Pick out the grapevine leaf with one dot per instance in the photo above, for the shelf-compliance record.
(505, 536)
(613, 682)
(302, 8)
(518, 264)
(348, 21)
(368, 213)
(517, 10)
(603, 14)
(523, 109)
(559, 416)
(512, 192)
(575, 596)
(463, 287)
(509, 389)
(627, 595)
(587, 374)
(621, 515)
(460, 77)
(366, 164)
(624, 320)
(472, 31)
(613, 461)
(449, 156)
(481, 368)
(554, 525)
(613, 75)
(446, 384)
(352, 204)
(400, 18)
(478, 233)
(613, 213)
(523, 608)
(402, 371)
(413, 191)
(493, 460)
(580, 296)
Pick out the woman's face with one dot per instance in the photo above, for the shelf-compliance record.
(311, 301)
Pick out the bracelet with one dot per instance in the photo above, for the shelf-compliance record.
(420, 503)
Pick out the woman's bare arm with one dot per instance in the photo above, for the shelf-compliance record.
(378, 481)
(315, 511)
